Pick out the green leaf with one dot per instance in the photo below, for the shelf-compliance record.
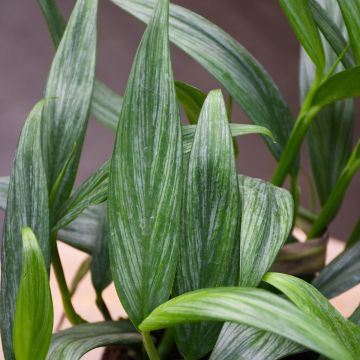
(209, 249)
(351, 10)
(330, 133)
(146, 177)
(301, 20)
(70, 82)
(27, 206)
(92, 192)
(309, 300)
(355, 317)
(34, 310)
(192, 100)
(73, 343)
(4, 185)
(343, 85)
(266, 220)
(232, 65)
(253, 307)
(341, 274)
(330, 28)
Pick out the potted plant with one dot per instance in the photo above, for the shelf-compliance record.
(188, 242)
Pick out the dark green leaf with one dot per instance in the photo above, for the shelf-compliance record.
(355, 317)
(27, 206)
(351, 10)
(330, 133)
(146, 177)
(354, 236)
(343, 85)
(73, 343)
(311, 301)
(301, 20)
(92, 192)
(4, 185)
(242, 76)
(209, 250)
(341, 274)
(253, 307)
(34, 309)
(330, 29)
(70, 82)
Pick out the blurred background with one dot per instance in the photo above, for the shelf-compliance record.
(26, 53)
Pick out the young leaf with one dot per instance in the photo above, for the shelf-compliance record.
(309, 300)
(330, 29)
(146, 177)
(27, 206)
(209, 250)
(341, 274)
(351, 10)
(343, 85)
(34, 310)
(73, 343)
(70, 82)
(232, 65)
(254, 307)
(301, 20)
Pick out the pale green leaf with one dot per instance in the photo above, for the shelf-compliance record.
(70, 83)
(209, 250)
(4, 185)
(146, 177)
(27, 206)
(34, 309)
(253, 307)
(73, 343)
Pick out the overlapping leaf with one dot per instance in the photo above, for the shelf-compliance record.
(312, 302)
(34, 310)
(209, 250)
(242, 76)
(73, 343)
(253, 307)
(145, 177)
(27, 205)
(70, 82)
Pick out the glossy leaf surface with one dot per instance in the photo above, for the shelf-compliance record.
(34, 309)
(208, 251)
(70, 84)
(230, 63)
(146, 177)
(27, 206)
(73, 343)
(253, 307)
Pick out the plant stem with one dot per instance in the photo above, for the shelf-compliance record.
(69, 310)
(149, 346)
(100, 303)
(166, 343)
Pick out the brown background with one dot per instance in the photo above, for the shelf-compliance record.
(26, 53)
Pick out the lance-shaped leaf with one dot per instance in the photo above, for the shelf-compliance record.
(301, 20)
(341, 274)
(34, 310)
(4, 185)
(92, 192)
(254, 307)
(330, 29)
(27, 206)
(221, 55)
(266, 220)
(145, 186)
(209, 248)
(330, 133)
(343, 85)
(311, 301)
(351, 10)
(73, 343)
(70, 82)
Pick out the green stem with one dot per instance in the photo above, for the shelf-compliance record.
(69, 310)
(166, 344)
(149, 346)
(100, 303)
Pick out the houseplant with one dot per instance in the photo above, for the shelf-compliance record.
(179, 221)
